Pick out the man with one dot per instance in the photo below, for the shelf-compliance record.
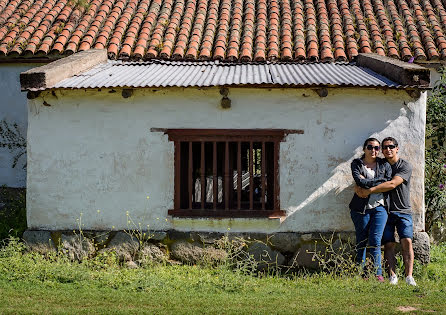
(400, 212)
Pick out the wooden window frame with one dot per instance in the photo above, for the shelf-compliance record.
(226, 136)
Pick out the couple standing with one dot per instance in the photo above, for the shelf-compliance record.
(382, 203)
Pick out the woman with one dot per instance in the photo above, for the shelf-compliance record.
(369, 215)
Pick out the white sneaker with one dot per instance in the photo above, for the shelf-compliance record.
(394, 280)
(411, 281)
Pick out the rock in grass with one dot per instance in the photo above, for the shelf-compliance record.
(151, 254)
(157, 235)
(39, 241)
(213, 256)
(186, 252)
(285, 242)
(101, 238)
(421, 247)
(77, 246)
(125, 246)
(309, 255)
(193, 253)
(265, 256)
(131, 264)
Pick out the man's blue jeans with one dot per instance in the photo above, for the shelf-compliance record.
(369, 230)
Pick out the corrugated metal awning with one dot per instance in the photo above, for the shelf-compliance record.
(160, 73)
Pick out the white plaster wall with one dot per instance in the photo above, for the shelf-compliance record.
(13, 109)
(92, 156)
(435, 76)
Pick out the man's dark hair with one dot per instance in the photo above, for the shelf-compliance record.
(391, 139)
(369, 140)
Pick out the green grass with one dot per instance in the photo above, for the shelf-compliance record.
(30, 283)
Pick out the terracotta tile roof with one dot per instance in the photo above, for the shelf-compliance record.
(230, 30)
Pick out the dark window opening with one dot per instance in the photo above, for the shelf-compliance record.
(226, 172)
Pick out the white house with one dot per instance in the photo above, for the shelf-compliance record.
(292, 87)
(212, 147)
(36, 32)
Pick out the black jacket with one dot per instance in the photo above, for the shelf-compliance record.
(383, 174)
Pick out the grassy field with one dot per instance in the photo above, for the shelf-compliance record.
(31, 284)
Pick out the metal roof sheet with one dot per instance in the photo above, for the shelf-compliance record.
(158, 73)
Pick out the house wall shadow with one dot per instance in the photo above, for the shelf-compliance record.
(324, 207)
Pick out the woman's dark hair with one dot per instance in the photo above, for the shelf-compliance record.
(369, 140)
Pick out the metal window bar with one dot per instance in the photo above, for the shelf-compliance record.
(234, 180)
(214, 176)
(239, 175)
(177, 158)
(227, 176)
(276, 177)
(203, 177)
(251, 176)
(249, 170)
(262, 175)
(190, 175)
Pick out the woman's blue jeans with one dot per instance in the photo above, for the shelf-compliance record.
(369, 230)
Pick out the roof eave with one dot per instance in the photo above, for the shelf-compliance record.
(47, 76)
(404, 73)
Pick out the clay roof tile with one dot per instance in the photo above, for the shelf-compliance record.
(235, 30)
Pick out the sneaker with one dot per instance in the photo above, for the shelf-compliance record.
(380, 278)
(393, 280)
(411, 281)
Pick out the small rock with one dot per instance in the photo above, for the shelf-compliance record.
(77, 247)
(131, 265)
(421, 247)
(179, 235)
(193, 253)
(150, 254)
(212, 255)
(306, 237)
(39, 241)
(186, 252)
(158, 235)
(101, 238)
(265, 256)
(285, 242)
(306, 256)
(125, 246)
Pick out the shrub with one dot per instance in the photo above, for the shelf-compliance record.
(435, 181)
(12, 212)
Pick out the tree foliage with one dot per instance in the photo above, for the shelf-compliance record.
(435, 182)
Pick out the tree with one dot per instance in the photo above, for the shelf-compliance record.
(435, 181)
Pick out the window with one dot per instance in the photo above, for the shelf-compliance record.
(226, 173)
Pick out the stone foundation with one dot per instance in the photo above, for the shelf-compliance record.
(134, 249)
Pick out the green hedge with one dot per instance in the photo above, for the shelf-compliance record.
(12, 212)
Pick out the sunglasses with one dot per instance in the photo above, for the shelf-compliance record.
(390, 147)
(371, 147)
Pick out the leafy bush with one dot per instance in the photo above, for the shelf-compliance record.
(12, 212)
(435, 182)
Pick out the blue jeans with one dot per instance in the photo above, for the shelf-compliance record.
(402, 222)
(369, 229)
